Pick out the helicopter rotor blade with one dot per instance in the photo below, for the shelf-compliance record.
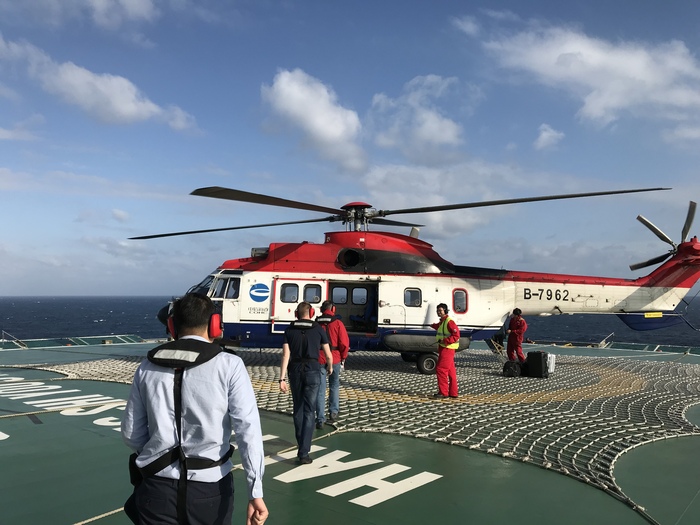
(688, 221)
(657, 231)
(650, 262)
(427, 209)
(389, 222)
(333, 218)
(217, 192)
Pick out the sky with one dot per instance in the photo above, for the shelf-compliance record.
(113, 111)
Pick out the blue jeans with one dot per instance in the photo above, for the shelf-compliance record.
(333, 394)
(304, 381)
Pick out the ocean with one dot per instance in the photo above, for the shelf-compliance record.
(53, 317)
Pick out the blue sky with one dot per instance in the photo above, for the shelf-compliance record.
(113, 111)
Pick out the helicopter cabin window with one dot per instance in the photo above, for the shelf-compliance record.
(202, 287)
(359, 296)
(219, 288)
(312, 293)
(234, 285)
(289, 293)
(339, 295)
(459, 301)
(412, 297)
(226, 288)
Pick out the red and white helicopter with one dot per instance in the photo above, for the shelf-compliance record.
(386, 285)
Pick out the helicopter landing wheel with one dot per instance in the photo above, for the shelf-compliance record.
(427, 363)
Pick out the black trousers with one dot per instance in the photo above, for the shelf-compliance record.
(155, 502)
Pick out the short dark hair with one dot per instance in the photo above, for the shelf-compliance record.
(303, 309)
(326, 305)
(193, 311)
(444, 307)
(517, 311)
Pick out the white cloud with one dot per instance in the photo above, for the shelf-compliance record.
(467, 24)
(120, 215)
(17, 133)
(548, 137)
(109, 98)
(111, 14)
(107, 14)
(683, 133)
(503, 15)
(7, 93)
(308, 104)
(400, 186)
(611, 79)
(414, 123)
(69, 183)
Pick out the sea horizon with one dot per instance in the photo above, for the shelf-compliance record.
(54, 316)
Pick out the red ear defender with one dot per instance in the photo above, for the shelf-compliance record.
(311, 311)
(171, 327)
(215, 326)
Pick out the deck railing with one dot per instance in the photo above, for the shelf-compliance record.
(6, 336)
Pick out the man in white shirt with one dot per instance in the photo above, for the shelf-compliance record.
(186, 467)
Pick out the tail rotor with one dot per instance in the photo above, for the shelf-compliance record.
(688, 221)
(665, 238)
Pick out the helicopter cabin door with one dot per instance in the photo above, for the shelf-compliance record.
(356, 304)
(288, 293)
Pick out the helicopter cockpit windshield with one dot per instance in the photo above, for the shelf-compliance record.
(203, 287)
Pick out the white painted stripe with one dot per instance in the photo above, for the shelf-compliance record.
(385, 489)
(328, 464)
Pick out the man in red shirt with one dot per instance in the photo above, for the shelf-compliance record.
(448, 342)
(340, 345)
(516, 331)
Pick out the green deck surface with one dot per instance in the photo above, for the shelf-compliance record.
(69, 466)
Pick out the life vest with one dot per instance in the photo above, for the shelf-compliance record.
(325, 321)
(178, 355)
(443, 333)
(308, 353)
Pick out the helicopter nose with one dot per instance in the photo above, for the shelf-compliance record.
(163, 314)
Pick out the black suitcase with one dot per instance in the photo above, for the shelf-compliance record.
(537, 364)
(511, 369)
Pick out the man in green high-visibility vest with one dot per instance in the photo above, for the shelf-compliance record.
(448, 342)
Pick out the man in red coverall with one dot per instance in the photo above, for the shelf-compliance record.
(340, 345)
(448, 342)
(516, 331)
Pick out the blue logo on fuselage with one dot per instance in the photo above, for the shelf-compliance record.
(259, 292)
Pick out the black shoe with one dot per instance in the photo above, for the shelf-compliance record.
(454, 397)
(437, 396)
(319, 426)
(333, 417)
(306, 460)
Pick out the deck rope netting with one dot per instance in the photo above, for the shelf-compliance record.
(577, 422)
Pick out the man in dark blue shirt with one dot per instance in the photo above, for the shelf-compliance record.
(302, 342)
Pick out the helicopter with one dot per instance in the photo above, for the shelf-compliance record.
(385, 286)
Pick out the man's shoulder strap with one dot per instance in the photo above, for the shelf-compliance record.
(183, 353)
(302, 324)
